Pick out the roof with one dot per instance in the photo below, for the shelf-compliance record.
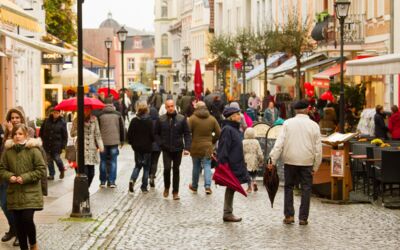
(115, 26)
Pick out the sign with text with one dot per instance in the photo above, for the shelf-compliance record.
(52, 58)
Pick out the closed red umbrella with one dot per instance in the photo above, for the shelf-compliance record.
(198, 81)
(71, 104)
(113, 92)
(224, 176)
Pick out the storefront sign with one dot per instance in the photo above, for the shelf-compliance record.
(52, 58)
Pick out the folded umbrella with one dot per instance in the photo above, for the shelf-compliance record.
(271, 182)
(224, 176)
(71, 104)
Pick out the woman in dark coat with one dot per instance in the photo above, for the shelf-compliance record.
(230, 150)
(156, 150)
(54, 136)
(380, 127)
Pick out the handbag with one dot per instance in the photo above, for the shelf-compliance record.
(70, 153)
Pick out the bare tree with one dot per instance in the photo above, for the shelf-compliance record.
(295, 40)
(243, 40)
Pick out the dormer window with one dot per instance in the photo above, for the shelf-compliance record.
(138, 44)
(164, 9)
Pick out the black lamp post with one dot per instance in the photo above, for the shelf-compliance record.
(80, 202)
(186, 53)
(108, 44)
(122, 33)
(342, 10)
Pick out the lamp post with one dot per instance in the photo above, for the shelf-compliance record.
(108, 44)
(186, 53)
(122, 33)
(80, 202)
(342, 10)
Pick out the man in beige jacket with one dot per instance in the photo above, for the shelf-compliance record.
(299, 146)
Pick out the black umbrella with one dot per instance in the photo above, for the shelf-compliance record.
(271, 182)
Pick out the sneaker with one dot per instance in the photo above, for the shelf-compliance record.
(152, 182)
(113, 186)
(166, 193)
(102, 185)
(288, 220)
(131, 184)
(50, 178)
(62, 174)
(175, 196)
(208, 191)
(108, 184)
(194, 190)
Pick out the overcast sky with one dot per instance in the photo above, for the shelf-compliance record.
(137, 14)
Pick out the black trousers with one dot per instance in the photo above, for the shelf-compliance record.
(172, 160)
(155, 155)
(25, 226)
(89, 171)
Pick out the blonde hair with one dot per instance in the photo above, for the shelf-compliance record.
(21, 126)
(142, 108)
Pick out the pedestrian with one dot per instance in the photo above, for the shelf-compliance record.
(328, 123)
(230, 151)
(155, 100)
(141, 138)
(185, 102)
(254, 102)
(156, 150)
(394, 123)
(92, 141)
(380, 127)
(271, 113)
(216, 109)
(173, 135)
(299, 146)
(253, 157)
(266, 100)
(54, 135)
(16, 116)
(22, 166)
(112, 132)
(205, 133)
(243, 124)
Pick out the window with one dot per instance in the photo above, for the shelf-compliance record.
(138, 44)
(371, 9)
(131, 64)
(381, 8)
(164, 45)
(164, 9)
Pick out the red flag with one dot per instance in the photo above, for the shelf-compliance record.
(198, 81)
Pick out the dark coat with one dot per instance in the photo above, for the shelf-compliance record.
(154, 118)
(380, 126)
(54, 134)
(140, 134)
(230, 150)
(171, 130)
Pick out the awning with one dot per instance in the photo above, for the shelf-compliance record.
(290, 64)
(319, 64)
(284, 81)
(13, 14)
(322, 79)
(378, 65)
(36, 44)
(260, 68)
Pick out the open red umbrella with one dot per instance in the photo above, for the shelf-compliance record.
(224, 176)
(198, 81)
(113, 92)
(71, 104)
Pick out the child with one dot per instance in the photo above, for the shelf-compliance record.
(253, 156)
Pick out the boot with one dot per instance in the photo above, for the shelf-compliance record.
(166, 193)
(255, 187)
(8, 236)
(175, 196)
(131, 185)
(34, 247)
(152, 181)
(62, 174)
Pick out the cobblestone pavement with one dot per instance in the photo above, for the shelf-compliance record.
(149, 221)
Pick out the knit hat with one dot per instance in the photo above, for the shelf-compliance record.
(228, 111)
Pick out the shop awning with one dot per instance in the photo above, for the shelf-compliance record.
(319, 63)
(322, 79)
(13, 14)
(290, 64)
(36, 44)
(378, 65)
(284, 81)
(260, 68)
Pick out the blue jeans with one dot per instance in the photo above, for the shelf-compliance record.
(3, 202)
(197, 163)
(51, 158)
(142, 160)
(110, 155)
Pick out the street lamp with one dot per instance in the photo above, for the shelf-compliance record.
(122, 33)
(108, 44)
(186, 53)
(80, 201)
(342, 10)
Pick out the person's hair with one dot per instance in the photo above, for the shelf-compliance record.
(394, 109)
(142, 108)
(199, 104)
(378, 108)
(21, 126)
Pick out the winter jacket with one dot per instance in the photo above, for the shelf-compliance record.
(171, 130)
(230, 150)
(253, 155)
(54, 134)
(269, 117)
(202, 125)
(394, 125)
(92, 142)
(328, 121)
(216, 110)
(25, 161)
(140, 134)
(185, 103)
(154, 118)
(111, 126)
(380, 126)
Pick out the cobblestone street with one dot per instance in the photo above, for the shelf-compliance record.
(149, 221)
